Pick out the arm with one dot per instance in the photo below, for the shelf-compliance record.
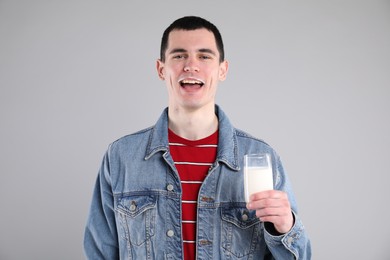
(100, 238)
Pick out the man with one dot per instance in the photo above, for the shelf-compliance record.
(175, 190)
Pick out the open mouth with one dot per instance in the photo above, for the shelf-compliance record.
(191, 83)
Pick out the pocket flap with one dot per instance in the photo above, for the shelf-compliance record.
(132, 206)
(240, 217)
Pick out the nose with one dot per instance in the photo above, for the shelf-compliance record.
(191, 66)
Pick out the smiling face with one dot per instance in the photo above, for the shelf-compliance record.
(192, 69)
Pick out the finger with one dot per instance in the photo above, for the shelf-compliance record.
(268, 212)
(281, 223)
(282, 203)
(261, 204)
(268, 194)
(261, 195)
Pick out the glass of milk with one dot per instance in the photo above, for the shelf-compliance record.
(257, 174)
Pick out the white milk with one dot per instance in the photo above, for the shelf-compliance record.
(257, 179)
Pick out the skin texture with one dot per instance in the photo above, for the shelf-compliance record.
(273, 206)
(193, 57)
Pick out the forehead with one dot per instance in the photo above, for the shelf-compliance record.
(192, 39)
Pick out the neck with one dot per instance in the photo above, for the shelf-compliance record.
(193, 125)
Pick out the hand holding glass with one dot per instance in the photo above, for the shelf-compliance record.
(257, 174)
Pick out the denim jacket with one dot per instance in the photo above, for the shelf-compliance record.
(136, 205)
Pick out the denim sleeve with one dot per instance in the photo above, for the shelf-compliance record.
(292, 245)
(295, 244)
(100, 237)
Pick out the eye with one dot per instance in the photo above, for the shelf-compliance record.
(178, 56)
(204, 57)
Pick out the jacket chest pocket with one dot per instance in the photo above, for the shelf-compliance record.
(241, 232)
(136, 217)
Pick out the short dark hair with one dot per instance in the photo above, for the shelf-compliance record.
(189, 23)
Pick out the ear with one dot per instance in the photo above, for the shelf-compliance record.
(223, 70)
(160, 69)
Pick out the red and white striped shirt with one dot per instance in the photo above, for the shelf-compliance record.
(193, 160)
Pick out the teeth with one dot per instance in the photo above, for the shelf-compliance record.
(191, 82)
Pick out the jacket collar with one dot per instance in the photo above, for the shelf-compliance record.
(227, 144)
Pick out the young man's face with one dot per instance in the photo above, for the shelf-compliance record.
(191, 69)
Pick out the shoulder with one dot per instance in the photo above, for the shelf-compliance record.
(245, 136)
(132, 140)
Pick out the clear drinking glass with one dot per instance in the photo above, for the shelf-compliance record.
(257, 174)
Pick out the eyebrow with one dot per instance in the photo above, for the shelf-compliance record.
(208, 51)
(204, 50)
(176, 50)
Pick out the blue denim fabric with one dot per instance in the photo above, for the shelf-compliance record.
(136, 206)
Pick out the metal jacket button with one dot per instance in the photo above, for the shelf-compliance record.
(170, 187)
(170, 233)
(133, 206)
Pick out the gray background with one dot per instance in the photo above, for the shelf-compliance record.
(77, 75)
